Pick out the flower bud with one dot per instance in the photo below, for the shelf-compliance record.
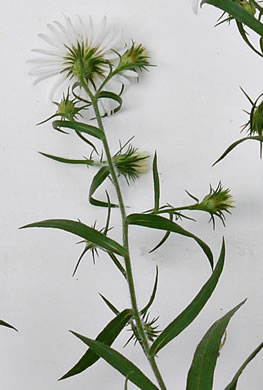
(136, 57)
(67, 108)
(248, 6)
(216, 202)
(131, 163)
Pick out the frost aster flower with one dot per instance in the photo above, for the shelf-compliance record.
(77, 50)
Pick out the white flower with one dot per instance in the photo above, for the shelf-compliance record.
(195, 5)
(61, 59)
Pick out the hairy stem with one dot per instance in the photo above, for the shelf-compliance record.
(129, 275)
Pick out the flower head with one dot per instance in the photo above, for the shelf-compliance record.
(131, 163)
(79, 51)
(254, 126)
(217, 202)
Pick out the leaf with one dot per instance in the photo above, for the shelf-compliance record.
(156, 184)
(192, 310)
(112, 96)
(98, 179)
(107, 337)
(157, 222)
(201, 373)
(244, 36)
(83, 231)
(67, 160)
(3, 323)
(164, 239)
(152, 297)
(79, 127)
(238, 13)
(233, 384)
(234, 144)
(110, 305)
(119, 362)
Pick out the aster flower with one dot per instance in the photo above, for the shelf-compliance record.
(77, 50)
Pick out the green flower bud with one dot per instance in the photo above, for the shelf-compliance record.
(67, 108)
(131, 163)
(257, 120)
(134, 58)
(248, 6)
(218, 200)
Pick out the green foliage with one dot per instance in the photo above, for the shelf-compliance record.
(83, 231)
(236, 143)
(233, 384)
(201, 373)
(3, 323)
(157, 222)
(238, 13)
(119, 362)
(107, 337)
(78, 127)
(192, 310)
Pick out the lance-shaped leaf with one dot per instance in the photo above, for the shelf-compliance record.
(233, 384)
(112, 96)
(107, 337)
(152, 297)
(3, 323)
(119, 362)
(68, 160)
(192, 310)
(98, 179)
(234, 144)
(201, 373)
(79, 127)
(83, 231)
(156, 184)
(157, 222)
(238, 13)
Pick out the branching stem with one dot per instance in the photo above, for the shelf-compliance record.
(139, 324)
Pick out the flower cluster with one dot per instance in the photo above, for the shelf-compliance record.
(79, 55)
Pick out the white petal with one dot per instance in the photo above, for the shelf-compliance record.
(101, 32)
(129, 73)
(49, 41)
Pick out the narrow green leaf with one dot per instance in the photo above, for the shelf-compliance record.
(118, 264)
(80, 127)
(165, 237)
(233, 384)
(234, 144)
(110, 305)
(245, 38)
(201, 373)
(3, 323)
(238, 13)
(192, 310)
(157, 222)
(107, 337)
(156, 184)
(119, 362)
(152, 297)
(68, 160)
(112, 96)
(83, 231)
(98, 179)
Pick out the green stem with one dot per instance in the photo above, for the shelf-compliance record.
(129, 275)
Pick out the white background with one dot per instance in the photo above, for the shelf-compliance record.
(189, 108)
